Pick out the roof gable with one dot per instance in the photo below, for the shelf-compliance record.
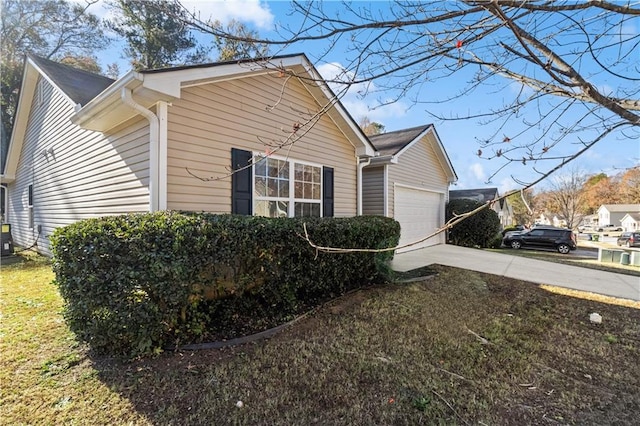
(634, 216)
(101, 103)
(392, 145)
(148, 87)
(61, 78)
(78, 85)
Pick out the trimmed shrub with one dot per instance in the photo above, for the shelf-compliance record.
(476, 231)
(496, 242)
(136, 283)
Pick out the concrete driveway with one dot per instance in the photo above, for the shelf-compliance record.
(522, 268)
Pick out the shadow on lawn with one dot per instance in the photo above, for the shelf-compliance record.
(460, 348)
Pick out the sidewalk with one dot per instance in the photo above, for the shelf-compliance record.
(522, 268)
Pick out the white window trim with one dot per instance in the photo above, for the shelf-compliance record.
(291, 199)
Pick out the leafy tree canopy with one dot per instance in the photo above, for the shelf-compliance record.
(230, 49)
(371, 127)
(155, 35)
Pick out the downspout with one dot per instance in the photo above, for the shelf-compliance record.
(361, 165)
(154, 158)
(6, 203)
(385, 190)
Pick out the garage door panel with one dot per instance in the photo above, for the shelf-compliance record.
(419, 214)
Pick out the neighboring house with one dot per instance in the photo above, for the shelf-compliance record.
(84, 145)
(551, 219)
(589, 220)
(631, 222)
(484, 195)
(559, 221)
(612, 214)
(409, 180)
(544, 219)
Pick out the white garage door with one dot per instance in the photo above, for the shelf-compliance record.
(419, 213)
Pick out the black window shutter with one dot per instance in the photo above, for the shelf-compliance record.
(327, 191)
(241, 195)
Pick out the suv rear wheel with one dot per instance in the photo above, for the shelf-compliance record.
(563, 248)
(516, 244)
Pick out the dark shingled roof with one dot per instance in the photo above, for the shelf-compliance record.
(79, 85)
(391, 143)
(479, 194)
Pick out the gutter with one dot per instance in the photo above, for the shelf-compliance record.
(384, 159)
(154, 147)
(361, 165)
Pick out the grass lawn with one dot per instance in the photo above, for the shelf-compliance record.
(574, 259)
(458, 348)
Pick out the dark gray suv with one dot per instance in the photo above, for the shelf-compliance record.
(561, 239)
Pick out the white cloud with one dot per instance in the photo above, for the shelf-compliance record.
(477, 172)
(473, 176)
(255, 12)
(246, 11)
(506, 184)
(355, 99)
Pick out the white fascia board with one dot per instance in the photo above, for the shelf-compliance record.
(106, 99)
(21, 120)
(7, 178)
(453, 176)
(384, 159)
(171, 82)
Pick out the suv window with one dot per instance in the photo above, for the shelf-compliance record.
(552, 233)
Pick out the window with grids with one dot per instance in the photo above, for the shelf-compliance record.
(286, 188)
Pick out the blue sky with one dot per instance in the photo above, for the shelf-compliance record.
(459, 137)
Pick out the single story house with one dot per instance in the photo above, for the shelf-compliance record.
(484, 195)
(263, 137)
(631, 222)
(543, 219)
(84, 145)
(551, 219)
(589, 220)
(612, 214)
(409, 180)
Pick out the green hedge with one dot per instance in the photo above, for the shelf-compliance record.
(479, 230)
(136, 283)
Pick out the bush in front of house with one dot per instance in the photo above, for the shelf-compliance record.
(478, 230)
(137, 283)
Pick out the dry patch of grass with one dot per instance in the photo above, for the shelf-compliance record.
(460, 348)
(592, 296)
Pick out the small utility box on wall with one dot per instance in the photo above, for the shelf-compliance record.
(6, 240)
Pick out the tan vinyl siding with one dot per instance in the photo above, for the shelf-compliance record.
(418, 167)
(373, 190)
(249, 114)
(83, 173)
